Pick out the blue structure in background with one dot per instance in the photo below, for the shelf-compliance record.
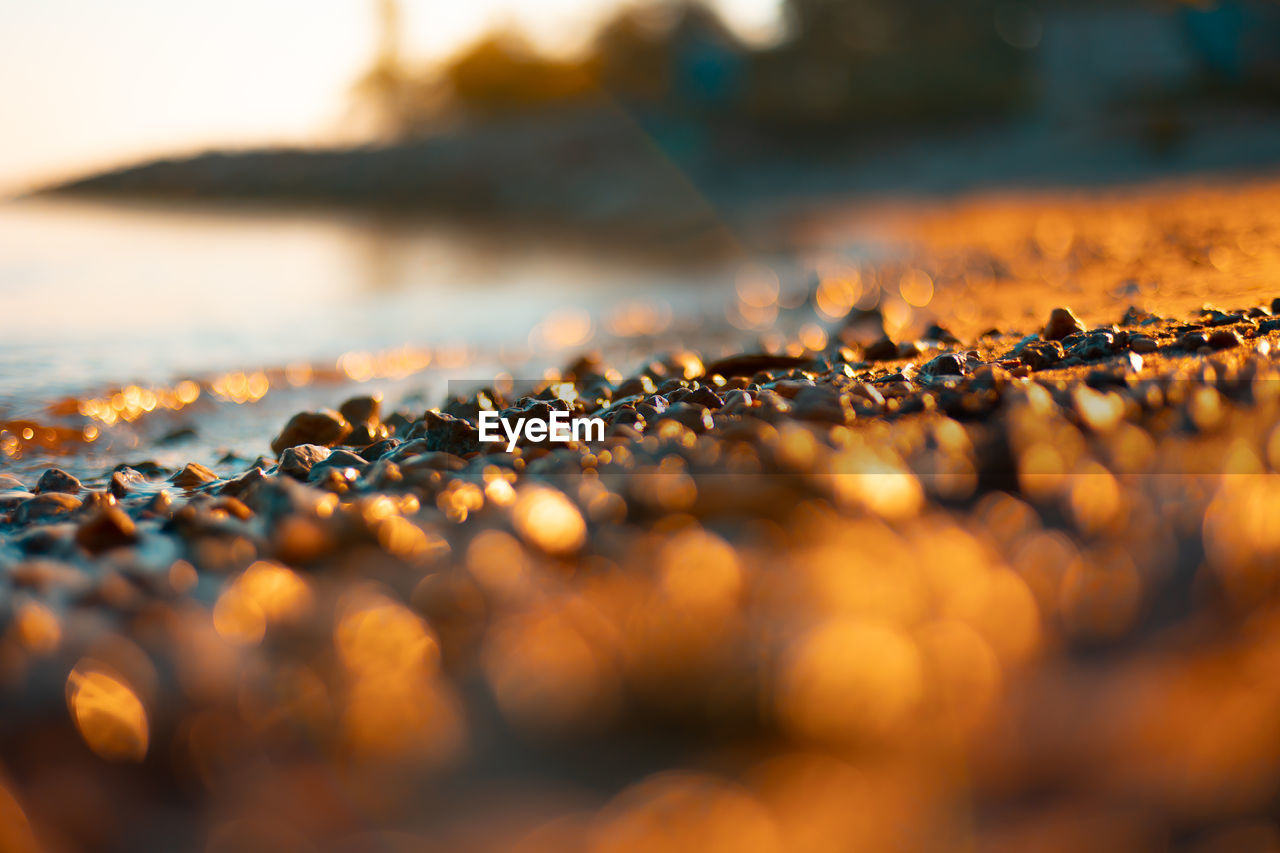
(1217, 33)
(710, 73)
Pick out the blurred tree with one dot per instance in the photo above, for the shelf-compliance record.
(383, 89)
(501, 73)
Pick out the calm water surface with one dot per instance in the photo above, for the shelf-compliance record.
(97, 296)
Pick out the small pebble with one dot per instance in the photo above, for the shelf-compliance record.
(240, 485)
(1192, 341)
(882, 350)
(192, 476)
(939, 333)
(325, 428)
(57, 480)
(339, 459)
(1039, 355)
(159, 505)
(1142, 344)
(361, 410)
(298, 461)
(1224, 339)
(46, 506)
(695, 417)
(948, 364)
(108, 528)
(1061, 324)
(824, 404)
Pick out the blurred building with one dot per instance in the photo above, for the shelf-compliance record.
(859, 60)
(1096, 58)
(849, 62)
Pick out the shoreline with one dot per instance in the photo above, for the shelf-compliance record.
(942, 521)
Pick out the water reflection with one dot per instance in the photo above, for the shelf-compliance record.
(99, 294)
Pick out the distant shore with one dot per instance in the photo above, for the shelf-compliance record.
(690, 187)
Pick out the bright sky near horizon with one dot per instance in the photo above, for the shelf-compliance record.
(88, 84)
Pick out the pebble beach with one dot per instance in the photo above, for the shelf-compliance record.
(966, 547)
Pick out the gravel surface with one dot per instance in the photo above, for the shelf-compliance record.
(977, 553)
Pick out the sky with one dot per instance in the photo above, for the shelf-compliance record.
(87, 84)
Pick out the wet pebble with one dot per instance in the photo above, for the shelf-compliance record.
(125, 481)
(339, 459)
(446, 432)
(378, 449)
(108, 528)
(13, 498)
(46, 506)
(159, 505)
(240, 485)
(193, 476)
(325, 428)
(99, 500)
(298, 461)
(57, 480)
(53, 539)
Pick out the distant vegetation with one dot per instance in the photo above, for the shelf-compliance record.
(667, 124)
(841, 61)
